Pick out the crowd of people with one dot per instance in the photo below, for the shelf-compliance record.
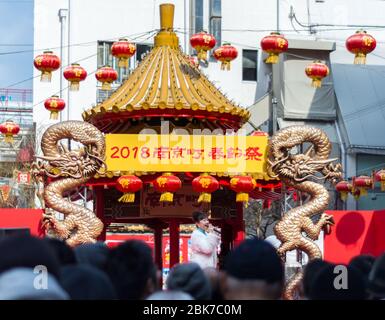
(253, 270)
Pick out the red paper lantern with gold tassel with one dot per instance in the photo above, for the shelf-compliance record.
(380, 177)
(167, 183)
(74, 74)
(361, 43)
(274, 44)
(363, 183)
(225, 54)
(54, 104)
(202, 42)
(128, 184)
(344, 188)
(9, 129)
(242, 185)
(205, 184)
(106, 75)
(317, 71)
(123, 50)
(46, 63)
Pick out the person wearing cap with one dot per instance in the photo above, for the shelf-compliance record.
(252, 271)
(204, 242)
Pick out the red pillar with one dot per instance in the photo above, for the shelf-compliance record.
(239, 226)
(174, 242)
(99, 211)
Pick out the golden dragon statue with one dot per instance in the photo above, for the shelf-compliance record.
(69, 170)
(302, 171)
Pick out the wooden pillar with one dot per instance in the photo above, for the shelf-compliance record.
(99, 211)
(174, 242)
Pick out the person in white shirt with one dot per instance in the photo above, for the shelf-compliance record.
(204, 242)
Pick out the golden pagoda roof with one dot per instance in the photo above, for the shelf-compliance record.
(167, 83)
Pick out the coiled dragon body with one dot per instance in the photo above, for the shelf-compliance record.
(301, 171)
(70, 169)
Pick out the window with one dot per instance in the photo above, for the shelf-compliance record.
(198, 16)
(249, 65)
(215, 22)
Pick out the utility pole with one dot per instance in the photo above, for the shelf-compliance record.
(62, 18)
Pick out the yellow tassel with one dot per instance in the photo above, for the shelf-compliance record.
(363, 192)
(225, 65)
(382, 185)
(127, 197)
(123, 63)
(272, 58)
(344, 196)
(8, 138)
(202, 55)
(106, 86)
(74, 86)
(360, 58)
(204, 197)
(316, 83)
(46, 76)
(54, 115)
(166, 197)
(242, 197)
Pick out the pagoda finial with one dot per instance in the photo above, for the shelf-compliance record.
(166, 16)
(166, 36)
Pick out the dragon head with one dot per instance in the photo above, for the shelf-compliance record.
(75, 163)
(300, 167)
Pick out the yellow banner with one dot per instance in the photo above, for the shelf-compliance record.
(186, 153)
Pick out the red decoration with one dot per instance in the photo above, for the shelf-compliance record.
(167, 184)
(360, 44)
(74, 74)
(193, 61)
(55, 105)
(317, 71)
(344, 188)
(202, 42)
(380, 177)
(242, 185)
(274, 44)
(123, 50)
(225, 54)
(205, 184)
(128, 184)
(363, 183)
(9, 129)
(46, 63)
(106, 75)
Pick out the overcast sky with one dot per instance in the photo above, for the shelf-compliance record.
(16, 29)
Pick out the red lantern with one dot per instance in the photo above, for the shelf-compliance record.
(205, 184)
(9, 129)
(123, 50)
(380, 177)
(344, 188)
(46, 63)
(363, 183)
(317, 71)
(242, 185)
(128, 184)
(274, 44)
(106, 75)
(202, 42)
(55, 105)
(74, 74)
(167, 184)
(225, 54)
(360, 44)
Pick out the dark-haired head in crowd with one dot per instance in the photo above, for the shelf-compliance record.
(64, 252)
(253, 271)
(363, 264)
(94, 254)
(132, 271)
(376, 279)
(335, 282)
(189, 278)
(310, 272)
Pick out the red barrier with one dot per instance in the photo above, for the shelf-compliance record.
(355, 233)
(22, 218)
